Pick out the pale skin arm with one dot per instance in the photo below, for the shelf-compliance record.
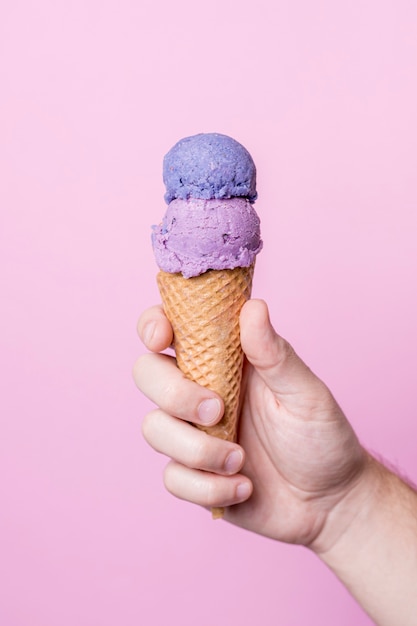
(374, 552)
(298, 472)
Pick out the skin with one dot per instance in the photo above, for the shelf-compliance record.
(298, 473)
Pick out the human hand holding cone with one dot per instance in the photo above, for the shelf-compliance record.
(206, 248)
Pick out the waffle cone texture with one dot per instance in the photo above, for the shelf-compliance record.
(204, 312)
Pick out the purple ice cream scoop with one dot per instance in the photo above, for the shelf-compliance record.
(209, 165)
(210, 223)
(198, 235)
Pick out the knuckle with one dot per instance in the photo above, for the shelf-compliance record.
(169, 478)
(204, 486)
(178, 397)
(148, 425)
(285, 350)
(199, 455)
(211, 492)
(140, 367)
(171, 388)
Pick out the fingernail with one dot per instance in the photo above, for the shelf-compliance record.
(148, 332)
(243, 491)
(209, 410)
(233, 462)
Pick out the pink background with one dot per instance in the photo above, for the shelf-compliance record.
(93, 94)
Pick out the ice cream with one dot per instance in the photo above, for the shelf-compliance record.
(209, 165)
(210, 222)
(198, 235)
(206, 247)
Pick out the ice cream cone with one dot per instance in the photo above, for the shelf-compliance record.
(205, 247)
(204, 313)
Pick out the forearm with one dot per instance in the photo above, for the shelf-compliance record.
(375, 556)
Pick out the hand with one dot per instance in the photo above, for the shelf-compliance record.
(296, 458)
(298, 473)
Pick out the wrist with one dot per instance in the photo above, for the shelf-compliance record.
(370, 542)
(352, 508)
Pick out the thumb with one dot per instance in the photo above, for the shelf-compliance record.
(272, 357)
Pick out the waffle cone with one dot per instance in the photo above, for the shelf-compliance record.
(204, 313)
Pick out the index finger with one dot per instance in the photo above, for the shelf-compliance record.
(154, 329)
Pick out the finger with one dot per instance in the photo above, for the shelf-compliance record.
(190, 446)
(205, 489)
(158, 377)
(154, 329)
(275, 360)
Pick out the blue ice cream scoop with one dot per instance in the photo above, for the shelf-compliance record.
(208, 166)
